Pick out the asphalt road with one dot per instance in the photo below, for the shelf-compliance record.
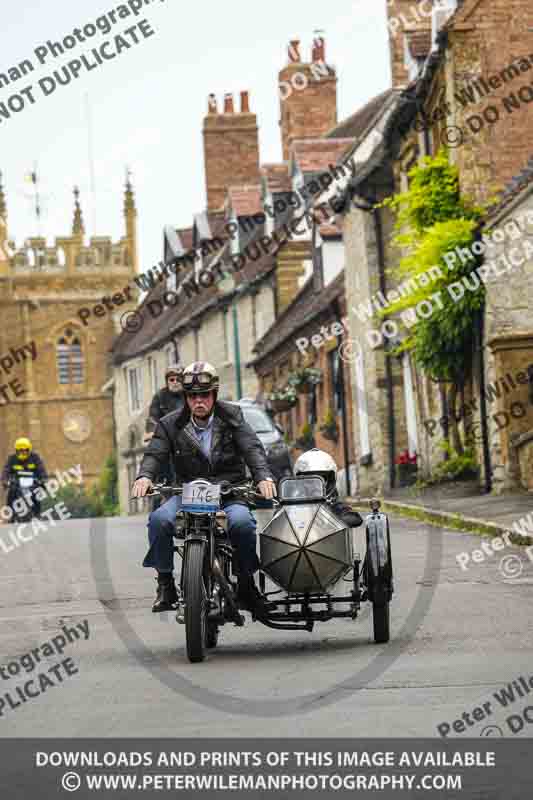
(457, 637)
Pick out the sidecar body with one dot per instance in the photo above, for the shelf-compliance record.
(305, 549)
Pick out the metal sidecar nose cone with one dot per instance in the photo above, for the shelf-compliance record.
(305, 548)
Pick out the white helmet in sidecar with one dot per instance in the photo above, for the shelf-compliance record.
(318, 462)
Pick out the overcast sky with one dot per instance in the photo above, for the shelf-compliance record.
(147, 105)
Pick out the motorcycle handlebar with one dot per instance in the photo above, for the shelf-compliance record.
(225, 489)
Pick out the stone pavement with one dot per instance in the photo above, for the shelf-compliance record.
(488, 513)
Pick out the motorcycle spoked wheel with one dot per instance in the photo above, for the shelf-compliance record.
(196, 603)
(380, 605)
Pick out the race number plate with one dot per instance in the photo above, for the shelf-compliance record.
(26, 483)
(200, 497)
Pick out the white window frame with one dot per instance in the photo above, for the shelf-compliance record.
(170, 354)
(134, 369)
(361, 403)
(226, 332)
(410, 406)
(153, 374)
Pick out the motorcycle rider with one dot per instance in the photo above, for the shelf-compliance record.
(318, 462)
(208, 439)
(169, 398)
(24, 459)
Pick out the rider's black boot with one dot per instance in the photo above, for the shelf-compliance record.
(167, 596)
(249, 597)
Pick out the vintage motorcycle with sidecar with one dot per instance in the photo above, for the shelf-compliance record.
(304, 549)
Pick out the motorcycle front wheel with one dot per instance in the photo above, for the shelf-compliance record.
(196, 605)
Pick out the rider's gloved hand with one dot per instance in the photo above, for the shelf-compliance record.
(141, 487)
(267, 488)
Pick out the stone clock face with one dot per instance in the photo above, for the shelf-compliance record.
(76, 426)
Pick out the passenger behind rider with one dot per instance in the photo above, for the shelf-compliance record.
(208, 439)
(166, 400)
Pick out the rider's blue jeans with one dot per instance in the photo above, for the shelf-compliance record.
(241, 528)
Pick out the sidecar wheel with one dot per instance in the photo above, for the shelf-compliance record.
(195, 603)
(381, 620)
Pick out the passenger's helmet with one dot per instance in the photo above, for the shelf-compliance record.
(200, 376)
(318, 462)
(21, 445)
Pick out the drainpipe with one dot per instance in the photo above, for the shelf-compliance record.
(344, 415)
(479, 337)
(391, 422)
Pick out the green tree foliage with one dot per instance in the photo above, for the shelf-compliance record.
(433, 219)
(101, 500)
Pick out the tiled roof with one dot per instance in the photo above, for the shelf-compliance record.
(316, 155)
(355, 125)
(515, 186)
(156, 331)
(245, 200)
(306, 306)
(419, 43)
(277, 176)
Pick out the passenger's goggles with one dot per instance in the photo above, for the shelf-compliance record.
(201, 379)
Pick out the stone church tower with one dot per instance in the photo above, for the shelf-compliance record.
(54, 361)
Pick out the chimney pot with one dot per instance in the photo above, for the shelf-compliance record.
(319, 49)
(294, 51)
(228, 103)
(212, 106)
(245, 102)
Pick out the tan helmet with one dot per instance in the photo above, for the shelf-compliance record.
(200, 377)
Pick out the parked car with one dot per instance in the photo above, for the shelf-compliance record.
(271, 436)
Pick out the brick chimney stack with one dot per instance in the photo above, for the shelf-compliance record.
(308, 96)
(231, 148)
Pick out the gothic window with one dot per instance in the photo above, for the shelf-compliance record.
(70, 360)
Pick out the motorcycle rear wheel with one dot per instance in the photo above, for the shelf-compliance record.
(195, 603)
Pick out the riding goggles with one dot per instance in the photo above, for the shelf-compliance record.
(201, 379)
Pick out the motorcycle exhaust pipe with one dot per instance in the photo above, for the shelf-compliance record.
(228, 593)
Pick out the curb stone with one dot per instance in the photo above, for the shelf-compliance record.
(447, 518)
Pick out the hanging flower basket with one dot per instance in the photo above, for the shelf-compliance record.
(283, 399)
(279, 406)
(304, 380)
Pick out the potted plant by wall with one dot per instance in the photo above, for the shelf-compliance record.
(306, 439)
(329, 428)
(407, 468)
(283, 399)
(303, 380)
